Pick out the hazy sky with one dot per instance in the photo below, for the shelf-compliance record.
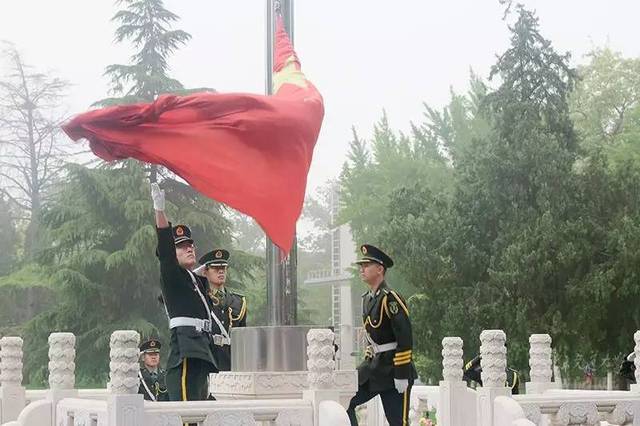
(363, 55)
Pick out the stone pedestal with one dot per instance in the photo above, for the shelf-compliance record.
(275, 384)
(452, 387)
(62, 369)
(494, 376)
(125, 404)
(12, 393)
(540, 364)
(318, 383)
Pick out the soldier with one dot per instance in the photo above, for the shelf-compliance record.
(229, 309)
(191, 351)
(387, 369)
(152, 377)
(473, 371)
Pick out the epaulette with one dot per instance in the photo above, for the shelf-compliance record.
(398, 299)
(395, 294)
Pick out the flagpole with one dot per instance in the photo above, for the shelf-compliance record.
(282, 281)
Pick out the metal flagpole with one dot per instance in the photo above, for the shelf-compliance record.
(282, 281)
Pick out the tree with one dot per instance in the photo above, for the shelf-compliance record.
(375, 170)
(478, 230)
(515, 190)
(533, 238)
(31, 154)
(147, 24)
(606, 104)
(8, 235)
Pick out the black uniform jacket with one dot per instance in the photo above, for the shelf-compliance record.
(231, 310)
(182, 300)
(385, 318)
(156, 384)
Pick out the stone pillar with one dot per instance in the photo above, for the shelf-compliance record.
(321, 366)
(494, 376)
(62, 366)
(62, 369)
(452, 387)
(320, 363)
(12, 393)
(125, 405)
(540, 364)
(636, 386)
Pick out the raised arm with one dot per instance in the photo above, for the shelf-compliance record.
(157, 195)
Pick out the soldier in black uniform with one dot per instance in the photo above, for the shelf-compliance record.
(472, 372)
(152, 377)
(627, 372)
(191, 350)
(229, 309)
(387, 369)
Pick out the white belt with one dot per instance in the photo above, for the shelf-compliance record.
(383, 348)
(220, 340)
(198, 323)
(380, 348)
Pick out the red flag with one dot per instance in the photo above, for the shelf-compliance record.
(251, 152)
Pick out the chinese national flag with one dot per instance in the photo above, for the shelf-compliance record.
(251, 152)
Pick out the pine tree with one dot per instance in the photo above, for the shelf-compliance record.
(147, 25)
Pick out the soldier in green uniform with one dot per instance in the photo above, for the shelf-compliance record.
(387, 369)
(152, 377)
(229, 309)
(191, 348)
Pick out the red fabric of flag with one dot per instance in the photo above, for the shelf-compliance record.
(251, 152)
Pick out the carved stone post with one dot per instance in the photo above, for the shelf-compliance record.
(321, 367)
(12, 393)
(62, 366)
(320, 363)
(494, 376)
(125, 405)
(452, 388)
(452, 359)
(540, 364)
(62, 369)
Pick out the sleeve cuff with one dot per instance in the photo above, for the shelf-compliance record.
(402, 358)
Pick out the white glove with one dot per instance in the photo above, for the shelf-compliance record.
(157, 195)
(199, 270)
(401, 384)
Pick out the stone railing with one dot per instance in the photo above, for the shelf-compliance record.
(12, 393)
(281, 412)
(493, 404)
(584, 408)
(77, 411)
(121, 405)
(544, 404)
(457, 405)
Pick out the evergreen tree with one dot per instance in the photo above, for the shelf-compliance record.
(147, 25)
